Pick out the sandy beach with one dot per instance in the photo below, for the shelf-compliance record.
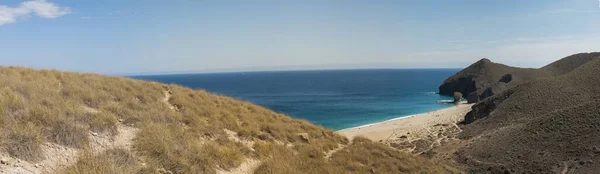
(415, 133)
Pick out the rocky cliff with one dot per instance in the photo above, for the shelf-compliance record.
(478, 81)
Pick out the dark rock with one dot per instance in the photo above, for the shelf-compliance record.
(485, 107)
(506, 78)
(473, 97)
(463, 85)
(488, 92)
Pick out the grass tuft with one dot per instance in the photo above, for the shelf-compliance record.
(117, 161)
(24, 142)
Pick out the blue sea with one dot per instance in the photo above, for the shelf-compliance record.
(336, 99)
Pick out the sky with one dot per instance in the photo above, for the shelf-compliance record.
(158, 36)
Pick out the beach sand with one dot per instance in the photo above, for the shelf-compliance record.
(415, 134)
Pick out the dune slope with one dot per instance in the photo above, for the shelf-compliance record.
(60, 122)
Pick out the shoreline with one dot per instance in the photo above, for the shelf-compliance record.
(418, 124)
(397, 118)
(381, 122)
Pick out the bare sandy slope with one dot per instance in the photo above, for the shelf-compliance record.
(413, 128)
(58, 157)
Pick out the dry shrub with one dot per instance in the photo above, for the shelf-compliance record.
(10, 101)
(111, 161)
(24, 141)
(67, 133)
(365, 156)
(362, 156)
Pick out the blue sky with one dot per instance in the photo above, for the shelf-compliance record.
(129, 37)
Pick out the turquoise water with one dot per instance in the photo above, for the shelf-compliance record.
(335, 99)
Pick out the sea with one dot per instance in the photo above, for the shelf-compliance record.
(335, 99)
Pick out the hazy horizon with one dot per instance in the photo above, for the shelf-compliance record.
(124, 37)
(260, 70)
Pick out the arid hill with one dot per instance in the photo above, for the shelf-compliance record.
(485, 78)
(60, 122)
(547, 124)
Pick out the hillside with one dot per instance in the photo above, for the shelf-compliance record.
(485, 78)
(479, 81)
(60, 122)
(545, 125)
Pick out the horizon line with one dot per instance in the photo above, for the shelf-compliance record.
(259, 71)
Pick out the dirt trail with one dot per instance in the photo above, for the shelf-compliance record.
(331, 152)
(166, 99)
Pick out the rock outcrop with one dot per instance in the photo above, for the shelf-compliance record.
(506, 78)
(473, 97)
(480, 77)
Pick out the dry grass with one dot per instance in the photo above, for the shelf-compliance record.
(112, 161)
(24, 142)
(56, 107)
(362, 156)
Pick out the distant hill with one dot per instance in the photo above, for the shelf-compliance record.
(485, 78)
(546, 122)
(60, 122)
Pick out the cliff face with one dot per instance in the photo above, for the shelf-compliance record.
(541, 125)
